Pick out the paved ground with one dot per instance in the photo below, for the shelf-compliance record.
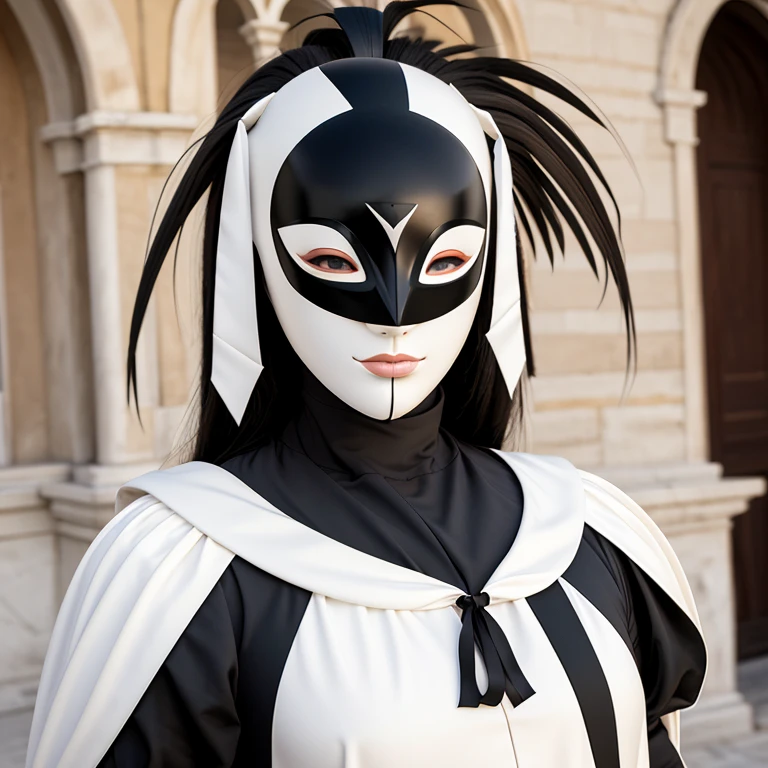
(14, 730)
(746, 753)
(751, 752)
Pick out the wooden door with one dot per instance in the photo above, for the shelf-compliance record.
(733, 199)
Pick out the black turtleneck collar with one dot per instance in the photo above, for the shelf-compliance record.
(342, 440)
(404, 491)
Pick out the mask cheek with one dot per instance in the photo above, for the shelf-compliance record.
(439, 341)
(328, 345)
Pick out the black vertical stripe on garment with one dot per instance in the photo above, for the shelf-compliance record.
(272, 614)
(212, 702)
(569, 639)
(596, 574)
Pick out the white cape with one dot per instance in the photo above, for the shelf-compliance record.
(176, 531)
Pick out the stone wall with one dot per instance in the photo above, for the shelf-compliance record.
(611, 50)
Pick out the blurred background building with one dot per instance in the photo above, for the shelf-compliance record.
(99, 98)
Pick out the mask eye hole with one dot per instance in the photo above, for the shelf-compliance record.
(330, 260)
(322, 252)
(446, 262)
(452, 254)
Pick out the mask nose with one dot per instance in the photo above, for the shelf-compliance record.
(391, 331)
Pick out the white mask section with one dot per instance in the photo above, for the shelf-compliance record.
(373, 251)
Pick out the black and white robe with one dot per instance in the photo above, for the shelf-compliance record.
(298, 607)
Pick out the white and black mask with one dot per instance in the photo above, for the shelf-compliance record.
(369, 188)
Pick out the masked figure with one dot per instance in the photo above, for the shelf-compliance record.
(351, 572)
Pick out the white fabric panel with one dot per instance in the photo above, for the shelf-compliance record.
(548, 540)
(233, 374)
(507, 340)
(234, 311)
(115, 629)
(84, 583)
(236, 359)
(547, 729)
(505, 335)
(379, 689)
(617, 517)
(506, 286)
(623, 680)
(373, 688)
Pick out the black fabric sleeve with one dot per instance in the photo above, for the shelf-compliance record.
(187, 717)
(669, 649)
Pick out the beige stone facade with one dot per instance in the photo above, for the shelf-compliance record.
(99, 98)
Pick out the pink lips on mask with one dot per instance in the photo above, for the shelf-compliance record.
(390, 366)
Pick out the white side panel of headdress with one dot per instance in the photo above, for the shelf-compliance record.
(505, 335)
(236, 357)
(254, 162)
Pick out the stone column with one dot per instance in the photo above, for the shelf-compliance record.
(98, 144)
(122, 156)
(264, 37)
(680, 130)
(104, 280)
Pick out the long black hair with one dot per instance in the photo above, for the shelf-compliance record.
(553, 188)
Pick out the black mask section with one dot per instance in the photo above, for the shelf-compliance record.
(381, 154)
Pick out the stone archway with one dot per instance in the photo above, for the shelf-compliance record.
(49, 56)
(505, 27)
(677, 95)
(103, 53)
(193, 77)
(193, 86)
(49, 255)
(684, 34)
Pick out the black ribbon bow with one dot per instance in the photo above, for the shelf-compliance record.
(504, 673)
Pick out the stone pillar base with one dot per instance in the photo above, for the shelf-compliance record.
(27, 580)
(717, 718)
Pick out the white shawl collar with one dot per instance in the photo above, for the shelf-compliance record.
(221, 506)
